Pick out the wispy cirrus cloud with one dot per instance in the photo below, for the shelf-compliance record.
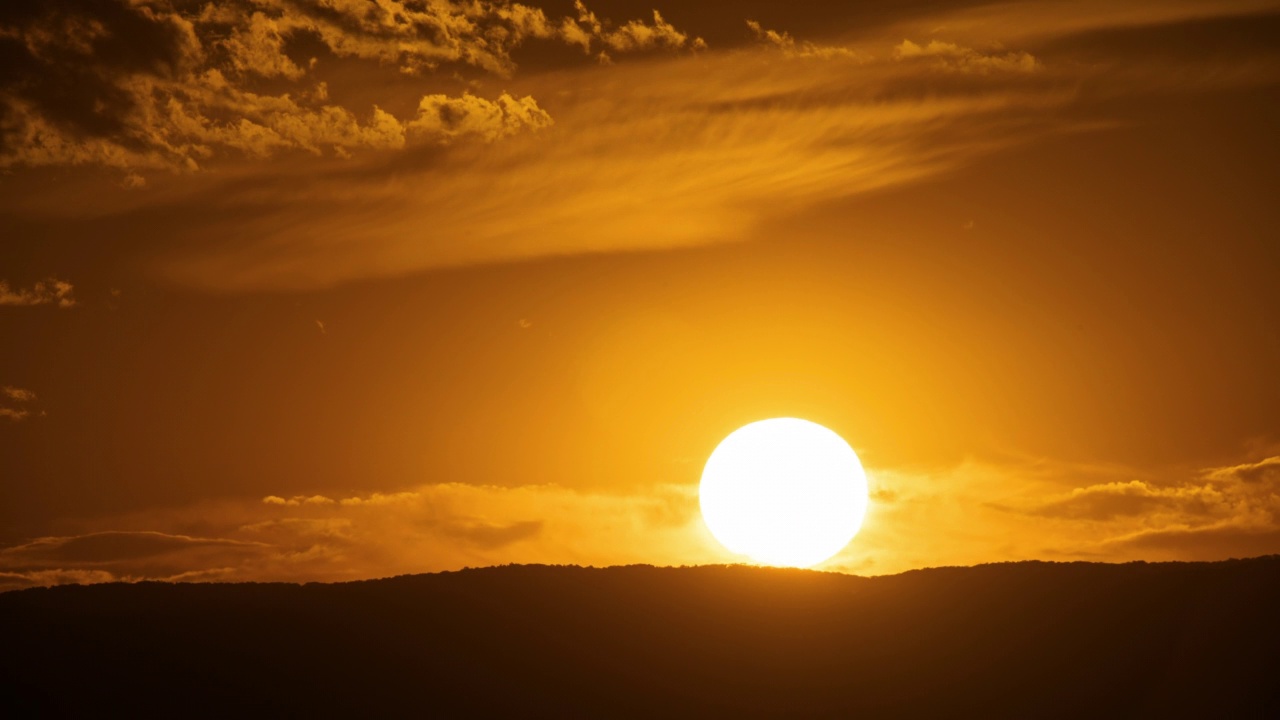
(698, 151)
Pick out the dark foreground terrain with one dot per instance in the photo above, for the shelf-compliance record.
(1018, 640)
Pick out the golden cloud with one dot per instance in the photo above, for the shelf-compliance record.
(667, 154)
(950, 56)
(17, 395)
(971, 513)
(46, 292)
(804, 49)
(142, 86)
(430, 528)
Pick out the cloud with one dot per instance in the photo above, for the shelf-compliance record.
(1214, 542)
(257, 46)
(686, 149)
(971, 513)
(1265, 472)
(950, 56)
(1242, 496)
(56, 576)
(671, 153)
(1136, 498)
(1030, 509)
(629, 37)
(805, 49)
(1229, 511)
(109, 556)
(16, 395)
(492, 537)
(316, 537)
(447, 117)
(297, 500)
(46, 292)
(108, 547)
(1038, 21)
(147, 85)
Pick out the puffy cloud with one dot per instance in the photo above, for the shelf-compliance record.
(950, 56)
(46, 292)
(629, 37)
(257, 46)
(19, 396)
(442, 116)
(297, 500)
(788, 45)
(1242, 496)
(150, 85)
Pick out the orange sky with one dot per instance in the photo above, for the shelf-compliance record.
(303, 289)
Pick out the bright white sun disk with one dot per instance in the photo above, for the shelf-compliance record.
(784, 491)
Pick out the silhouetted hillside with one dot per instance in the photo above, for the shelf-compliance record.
(1018, 640)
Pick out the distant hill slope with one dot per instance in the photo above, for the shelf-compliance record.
(1021, 640)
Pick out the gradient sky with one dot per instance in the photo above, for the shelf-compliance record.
(333, 289)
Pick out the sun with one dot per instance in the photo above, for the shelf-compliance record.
(784, 491)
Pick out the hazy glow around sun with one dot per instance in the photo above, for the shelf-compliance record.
(784, 491)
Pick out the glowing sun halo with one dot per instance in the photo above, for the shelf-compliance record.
(784, 492)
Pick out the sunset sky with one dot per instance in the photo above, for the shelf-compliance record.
(337, 289)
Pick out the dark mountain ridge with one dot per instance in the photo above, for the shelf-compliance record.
(1020, 640)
